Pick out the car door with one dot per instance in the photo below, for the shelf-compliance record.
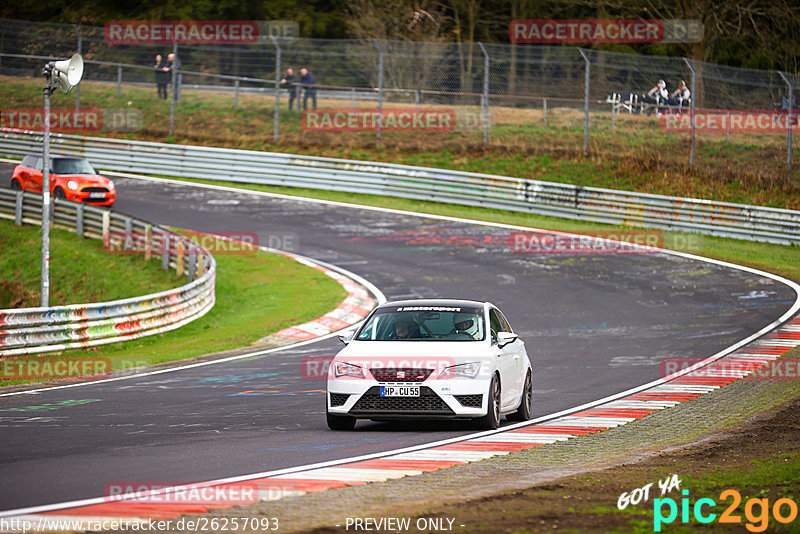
(518, 346)
(507, 364)
(34, 180)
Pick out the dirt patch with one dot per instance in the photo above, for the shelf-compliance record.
(14, 295)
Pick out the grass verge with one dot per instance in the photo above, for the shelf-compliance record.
(257, 294)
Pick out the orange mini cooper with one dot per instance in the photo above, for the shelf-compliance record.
(71, 178)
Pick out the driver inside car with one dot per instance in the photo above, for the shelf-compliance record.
(405, 328)
(464, 324)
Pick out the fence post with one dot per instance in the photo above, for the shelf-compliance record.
(174, 98)
(277, 119)
(165, 244)
(79, 220)
(352, 99)
(691, 113)
(544, 111)
(236, 95)
(789, 117)
(585, 103)
(80, 51)
(485, 99)
(179, 258)
(18, 208)
(148, 245)
(416, 100)
(119, 81)
(380, 92)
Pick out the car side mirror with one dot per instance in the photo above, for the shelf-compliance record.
(504, 338)
(347, 337)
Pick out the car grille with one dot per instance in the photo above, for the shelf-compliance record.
(470, 401)
(428, 403)
(338, 399)
(400, 374)
(94, 190)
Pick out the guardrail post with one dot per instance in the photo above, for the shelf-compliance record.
(691, 113)
(200, 265)
(485, 99)
(790, 117)
(119, 81)
(179, 258)
(191, 264)
(585, 103)
(128, 234)
(106, 227)
(236, 95)
(277, 119)
(380, 92)
(148, 245)
(79, 220)
(165, 244)
(18, 208)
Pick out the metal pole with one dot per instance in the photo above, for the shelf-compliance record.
(613, 109)
(380, 92)
(789, 124)
(277, 119)
(416, 100)
(45, 277)
(236, 96)
(585, 104)
(691, 113)
(544, 110)
(352, 99)
(485, 102)
(80, 51)
(174, 91)
(119, 81)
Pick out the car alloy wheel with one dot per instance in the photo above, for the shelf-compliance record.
(491, 420)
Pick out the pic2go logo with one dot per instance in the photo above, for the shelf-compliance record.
(756, 511)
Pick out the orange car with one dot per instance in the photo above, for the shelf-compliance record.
(71, 178)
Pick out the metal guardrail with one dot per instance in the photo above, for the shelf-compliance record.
(37, 330)
(515, 194)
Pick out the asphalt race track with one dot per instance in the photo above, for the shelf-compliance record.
(594, 325)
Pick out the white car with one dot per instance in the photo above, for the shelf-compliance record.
(430, 359)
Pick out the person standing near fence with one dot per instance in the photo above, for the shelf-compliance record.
(174, 63)
(290, 83)
(309, 87)
(161, 77)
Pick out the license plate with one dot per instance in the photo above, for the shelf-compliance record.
(399, 391)
(97, 195)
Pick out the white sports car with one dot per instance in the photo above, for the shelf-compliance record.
(431, 359)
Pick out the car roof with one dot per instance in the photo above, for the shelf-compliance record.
(454, 303)
(55, 156)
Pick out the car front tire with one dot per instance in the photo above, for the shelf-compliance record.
(15, 185)
(59, 194)
(523, 413)
(340, 422)
(491, 420)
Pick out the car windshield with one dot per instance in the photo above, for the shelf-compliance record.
(72, 166)
(424, 323)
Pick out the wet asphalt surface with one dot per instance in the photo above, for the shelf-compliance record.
(593, 324)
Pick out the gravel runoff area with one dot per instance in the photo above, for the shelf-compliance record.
(543, 488)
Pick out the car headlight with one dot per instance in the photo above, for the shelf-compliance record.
(110, 185)
(464, 370)
(347, 369)
(72, 184)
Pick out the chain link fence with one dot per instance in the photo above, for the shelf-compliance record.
(436, 95)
